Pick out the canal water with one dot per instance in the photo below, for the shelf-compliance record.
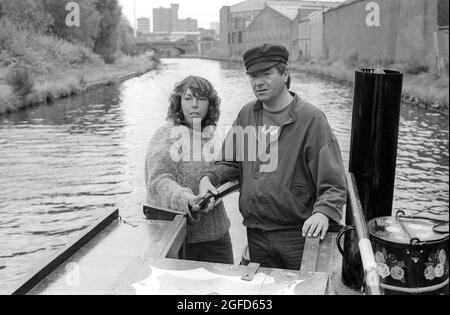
(63, 165)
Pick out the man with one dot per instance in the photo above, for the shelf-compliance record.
(306, 190)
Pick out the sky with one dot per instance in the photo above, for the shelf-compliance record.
(205, 11)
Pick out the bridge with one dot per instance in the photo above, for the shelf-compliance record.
(167, 47)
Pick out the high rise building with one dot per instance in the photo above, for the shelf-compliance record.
(215, 26)
(174, 15)
(166, 20)
(143, 25)
(162, 20)
(187, 25)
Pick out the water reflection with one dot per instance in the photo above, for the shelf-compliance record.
(62, 165)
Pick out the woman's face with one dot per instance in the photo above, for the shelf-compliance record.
(194, 107)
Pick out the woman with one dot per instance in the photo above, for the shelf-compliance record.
(173, 182)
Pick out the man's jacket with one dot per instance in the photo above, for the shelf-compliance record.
(309, 177)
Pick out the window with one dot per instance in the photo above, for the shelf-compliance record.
(240, 37)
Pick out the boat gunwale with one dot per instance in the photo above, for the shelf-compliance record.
(60, 257)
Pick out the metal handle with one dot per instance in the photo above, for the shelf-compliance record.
(341, 233)
(412, 239)
(202, 203)
(223, 191)
(441, 228)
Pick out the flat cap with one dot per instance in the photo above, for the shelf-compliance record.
(265, 57)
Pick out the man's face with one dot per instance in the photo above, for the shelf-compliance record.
(268, 84)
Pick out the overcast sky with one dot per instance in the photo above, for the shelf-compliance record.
(205, 11)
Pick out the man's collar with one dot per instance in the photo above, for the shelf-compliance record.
(259, 105)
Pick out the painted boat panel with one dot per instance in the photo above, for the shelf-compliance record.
(95, 268)
(181, 277)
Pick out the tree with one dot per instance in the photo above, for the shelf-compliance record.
(2, 13)
(107, 40)
(90, 18)
(27, 14)
(127, 42)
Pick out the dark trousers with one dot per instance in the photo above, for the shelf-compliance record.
(281, 249)
(219, 251)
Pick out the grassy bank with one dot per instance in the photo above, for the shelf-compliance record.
(38, 67)
(66, 82)
(420, 88)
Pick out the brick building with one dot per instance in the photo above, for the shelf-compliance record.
(254, 22)
(443, 33)
(272, 25)
(310, 35)
(407, 31)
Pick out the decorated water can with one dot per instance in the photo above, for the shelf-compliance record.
(411, 254)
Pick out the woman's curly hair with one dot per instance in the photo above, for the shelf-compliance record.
(200, 87)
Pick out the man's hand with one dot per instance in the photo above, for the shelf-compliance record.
(317, 225)
(205, 187)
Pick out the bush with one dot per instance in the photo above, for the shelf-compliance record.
(415, 68)
(109, 57)
(19, 77)
(353, 59)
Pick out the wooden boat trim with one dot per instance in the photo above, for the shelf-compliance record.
(35, 277)
(178, 241)
(310, 255)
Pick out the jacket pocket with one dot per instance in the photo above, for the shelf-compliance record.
(302, 193)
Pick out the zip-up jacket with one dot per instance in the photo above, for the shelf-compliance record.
(309, 176)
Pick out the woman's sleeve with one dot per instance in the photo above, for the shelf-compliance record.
(160, 175)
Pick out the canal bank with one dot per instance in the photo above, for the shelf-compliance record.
(423, 90)
(73, 82)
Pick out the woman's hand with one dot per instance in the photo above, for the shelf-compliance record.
(196, 199)
(193, 203)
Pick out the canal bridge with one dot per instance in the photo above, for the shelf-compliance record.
(167, 47)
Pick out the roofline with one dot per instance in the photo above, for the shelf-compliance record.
(342, 5)
(268, 6)
(241, 2)
(312, 14)
(274, 5)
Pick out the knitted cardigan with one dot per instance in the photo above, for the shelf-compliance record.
(170, 184)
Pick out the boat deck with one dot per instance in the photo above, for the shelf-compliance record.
(141, 257)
